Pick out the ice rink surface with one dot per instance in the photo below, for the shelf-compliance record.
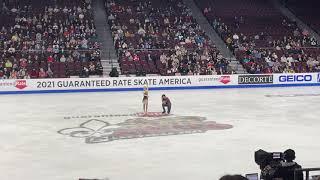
(273, 119)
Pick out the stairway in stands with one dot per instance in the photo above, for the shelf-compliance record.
(109, 58)
(197, 14)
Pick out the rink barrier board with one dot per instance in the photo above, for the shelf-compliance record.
(159, 88)
(36, 86)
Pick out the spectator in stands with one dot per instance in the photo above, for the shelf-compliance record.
(84, 73)
(92, 69)
(8, 64)
(42, 73)
(99, 69)
(49, 72)
(136, 58)
(34, 73)
(63, 59)
(2, 74)
(14, 74)
(6, 73)
(114, 72)
(22, 74)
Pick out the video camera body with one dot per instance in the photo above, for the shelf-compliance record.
(269, 163)
(273, 159)
(278, 165)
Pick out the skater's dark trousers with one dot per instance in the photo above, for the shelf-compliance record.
(168, 105)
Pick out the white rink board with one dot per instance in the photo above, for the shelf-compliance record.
(156, 83)
(113, 83)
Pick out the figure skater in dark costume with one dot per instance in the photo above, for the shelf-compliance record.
(166, 103)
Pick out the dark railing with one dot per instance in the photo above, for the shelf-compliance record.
(307, 170)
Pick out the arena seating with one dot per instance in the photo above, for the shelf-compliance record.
(261, 37)
(40, 39)
(306, 11)
(57, 39)
(161, 37)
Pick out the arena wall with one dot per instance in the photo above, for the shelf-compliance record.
(68, 85)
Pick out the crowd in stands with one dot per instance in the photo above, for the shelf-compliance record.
(57, 38)
(162, 37)
(261, 37)
(48, 39)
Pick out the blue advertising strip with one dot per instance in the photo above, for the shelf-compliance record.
(157, 88)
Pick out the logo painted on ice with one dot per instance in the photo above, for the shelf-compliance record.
(21, 84)
(225, 79)
(98, 131)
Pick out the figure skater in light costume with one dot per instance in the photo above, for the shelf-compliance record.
(145, 99)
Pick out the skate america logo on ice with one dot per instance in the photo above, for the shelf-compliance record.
(98, 131)
(222, 79)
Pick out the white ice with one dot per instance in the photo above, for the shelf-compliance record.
(31, 148)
